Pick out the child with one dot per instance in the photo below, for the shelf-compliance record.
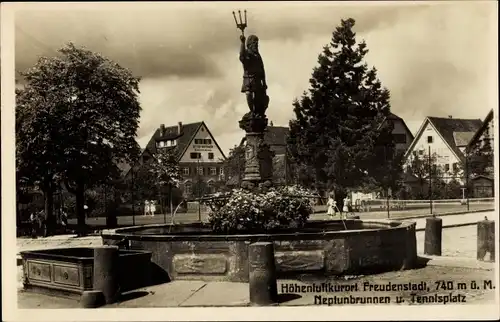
(331, 206)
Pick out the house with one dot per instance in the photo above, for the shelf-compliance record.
(276, 138)
(484, 134)
(401, 133)
(446, 139)
(483, 184)
(200, 157)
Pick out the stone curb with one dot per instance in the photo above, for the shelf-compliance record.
(458, 262)
(446, 214)
(452, 226)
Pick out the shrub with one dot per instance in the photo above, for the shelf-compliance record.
(260, 211)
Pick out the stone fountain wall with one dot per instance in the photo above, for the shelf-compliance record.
(225, 257)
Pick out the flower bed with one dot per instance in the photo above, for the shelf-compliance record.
(259, 211)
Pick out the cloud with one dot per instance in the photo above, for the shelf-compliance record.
(435, 59)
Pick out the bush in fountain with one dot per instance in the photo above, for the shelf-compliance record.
(260, 211)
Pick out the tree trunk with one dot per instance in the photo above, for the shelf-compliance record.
(49, 219)
(339, 199)
(111, 213)
(80, 211)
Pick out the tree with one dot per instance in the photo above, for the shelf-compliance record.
(167, 173)
(425, 169)
(80, 113)
(480, 157)
(340, 120)
(234, 166)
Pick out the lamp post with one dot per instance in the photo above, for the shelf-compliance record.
(467, 176)
(199, 189)
(133, 197)
(430, 179)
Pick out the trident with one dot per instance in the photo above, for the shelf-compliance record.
(241, 25)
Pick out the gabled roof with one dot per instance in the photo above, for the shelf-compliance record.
(276, 137)
(462, 138)
(482, 177)
(446, 127)
(482, 129)
(188, 131)
(394, 117)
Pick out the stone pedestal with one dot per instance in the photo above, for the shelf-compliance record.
(433, 236)
(258, 155)
(486, 239)
(106, 272)
(262, 274)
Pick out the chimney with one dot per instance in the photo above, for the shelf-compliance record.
(450, 116)
(162, 130)
(179, 128)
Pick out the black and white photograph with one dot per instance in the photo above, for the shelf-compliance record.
(249, 160)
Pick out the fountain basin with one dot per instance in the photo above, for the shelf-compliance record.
(193, 252)
(68, 272)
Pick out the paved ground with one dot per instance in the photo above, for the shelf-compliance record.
(459, 242)
(100, 222)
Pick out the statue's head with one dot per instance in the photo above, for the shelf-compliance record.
(253, 43)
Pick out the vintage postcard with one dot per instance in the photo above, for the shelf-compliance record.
(249, 161)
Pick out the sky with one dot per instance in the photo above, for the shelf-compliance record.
(436, 59)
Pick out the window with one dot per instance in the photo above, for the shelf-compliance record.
(210, 156)
(213, 171)
(185, 171)
(200, 171)
(399, 138)
(169, 143)
(174, 142)
(446, 167)
(207, 141)
(455, 166)
(161, 144)
(429, 139)
(195, 155)
(420, 152)
(221, 171)
(198, 141)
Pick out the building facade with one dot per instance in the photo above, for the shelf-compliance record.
(400, 132)
(200, 157)
(446, 139)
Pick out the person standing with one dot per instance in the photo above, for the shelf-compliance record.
(152, 207)
(33, 224)
(331, 206)
(146, 207)
(345, 209)
(64, 221)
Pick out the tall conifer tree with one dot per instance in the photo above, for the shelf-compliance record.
(339, 139)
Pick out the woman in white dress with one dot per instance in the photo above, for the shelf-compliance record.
(146, 207)
(152, 207)
(331, 206)
(345, 209)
